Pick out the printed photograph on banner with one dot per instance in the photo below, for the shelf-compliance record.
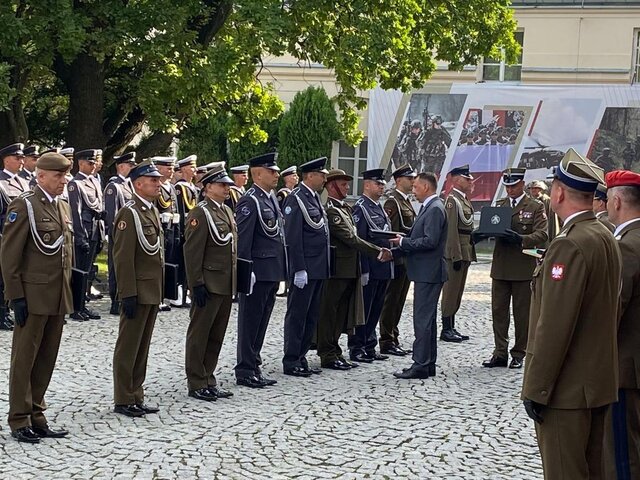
(488, 141)
(616, 143)
(425, 134)
(557, 124)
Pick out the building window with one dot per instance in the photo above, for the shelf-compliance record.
(496, 70)
(353, 160)
(636, 56)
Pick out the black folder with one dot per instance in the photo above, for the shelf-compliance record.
(171, 281)
(78, 288)
(243, 271)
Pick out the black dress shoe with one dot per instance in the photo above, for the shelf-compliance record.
(297, 372)
(91, 314)
(412, 372)
(463, 337)
(78, 317)
(361, 357)
(266, 381)
(449, 335)
(45, 431)
(251, 382)
(516, 363)
(495, 362)
(115, 308)
(348, 363)
(203, 394)
(376, 356)
(393, 350)
(4, 325)
(129, 410)
(164, 308)
(312, 370)
(220, 392)
(95, 296)
(336, 365)
(26, 435)
(147, 409)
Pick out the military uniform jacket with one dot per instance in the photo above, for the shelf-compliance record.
(460, 225)
(168, 208)
(210, 248)
(235, 193)
(629, 324)
(530, 221)
(571, 359)
(85, 200)
(30, 177)
(604, 219)
(369, 216)
(10, 188)
(116, 194)
(401, 214)
(260, 235)
(344, 237)
(187, 199)
(307, 234)
(37, 253)
(138, 252)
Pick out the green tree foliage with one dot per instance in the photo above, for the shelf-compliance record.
(241, 150)
(308, 128)
(123, 64)
(207, 138)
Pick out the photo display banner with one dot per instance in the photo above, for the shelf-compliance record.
(492, 127)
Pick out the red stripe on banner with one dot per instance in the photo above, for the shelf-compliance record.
(535, 117)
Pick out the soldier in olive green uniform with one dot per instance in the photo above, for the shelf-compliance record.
(37, 255)
(460, 250)
(623, 426)
(342, 305)
(210, 253)
(571, 368)
(401, 213)
(511, 270)
(600, 207)
(138, 258)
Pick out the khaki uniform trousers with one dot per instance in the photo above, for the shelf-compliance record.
(131, 354)
(205, 335)
(33, 356)
(502, 292)
(392, 309)
(453, 289)
(571, 442)
(334, 313)
(622, 437)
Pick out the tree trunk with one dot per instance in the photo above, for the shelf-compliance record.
(85, 84)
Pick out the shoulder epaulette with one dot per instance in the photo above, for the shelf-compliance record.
(27, 194)
(360, 201)
(129, 204)
(113, 179)
(203, 203)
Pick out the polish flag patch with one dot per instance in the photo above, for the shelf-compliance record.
(557, 271)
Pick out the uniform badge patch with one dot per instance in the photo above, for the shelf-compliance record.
(557, 271)
(109, 191)
(71, 188)
(12, 217)
(449, 204)
(356, 218)
(122, 225)
(245, 211)
(287, 210)
(194, 222)
(46, 237)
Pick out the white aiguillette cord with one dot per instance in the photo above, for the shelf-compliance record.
(44, 248)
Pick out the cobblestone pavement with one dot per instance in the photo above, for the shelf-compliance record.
(467, 422)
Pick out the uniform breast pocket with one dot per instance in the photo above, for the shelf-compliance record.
(222, 228)
(48, 232)
(150, 233)
(525, 225)
(269, 217)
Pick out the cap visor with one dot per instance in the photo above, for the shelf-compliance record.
(273, 167)
(152, 174)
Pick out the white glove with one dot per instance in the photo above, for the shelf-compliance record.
(300, 279)
(364, 279)
(252, 283)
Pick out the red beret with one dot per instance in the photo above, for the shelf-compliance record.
(623, 178)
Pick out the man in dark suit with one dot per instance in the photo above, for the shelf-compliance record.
(307, 232)
(260, 240)
(426, 267)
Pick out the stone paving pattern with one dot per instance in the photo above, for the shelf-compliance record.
(466, 423)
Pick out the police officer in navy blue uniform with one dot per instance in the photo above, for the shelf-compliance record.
(116, 194)
(85, 200)
(371, 217)
(260, 240)
(307, 233)
(28, 172)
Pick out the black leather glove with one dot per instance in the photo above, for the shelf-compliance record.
(513, 237)
(200, 295)
(129, 306)
(457, 265)
(19, 306)
(477, 237)
(533, 409)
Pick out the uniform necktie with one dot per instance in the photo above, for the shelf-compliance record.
(513, 203)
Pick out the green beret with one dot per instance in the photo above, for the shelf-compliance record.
(53, 161)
